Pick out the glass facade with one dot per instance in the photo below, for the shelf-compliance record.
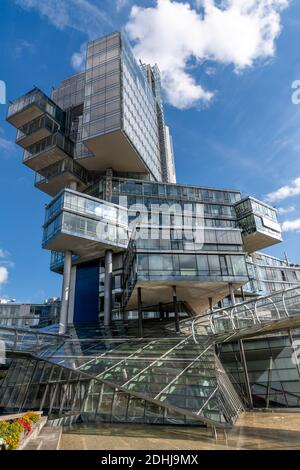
(85, 217)
(274, 378)
(102, 103)
(33, 315)
(35, 98)
(268, 274)
(255, 216)
(258, 223)
(68, 165)
(118, 97)
(43, 124)
(125, 380)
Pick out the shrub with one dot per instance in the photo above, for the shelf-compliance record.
(4, 425)
(11, 431)
(12, 440)
(32, 417)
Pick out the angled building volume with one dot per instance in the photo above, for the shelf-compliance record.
(140, 256)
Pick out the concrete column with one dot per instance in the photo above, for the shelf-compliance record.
(243, 294)
(108, 288)
(108, 184)
(231, 293)
(72, 295)
(177, 327)
(140, 312)
(63, 320)
(269, 382)
(161, 312)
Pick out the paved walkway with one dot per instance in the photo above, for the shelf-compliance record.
(257, 430)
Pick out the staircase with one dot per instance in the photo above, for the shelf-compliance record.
(157, 379)
(109, 374)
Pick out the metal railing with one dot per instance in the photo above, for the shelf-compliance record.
(280, 305)
(18, 339)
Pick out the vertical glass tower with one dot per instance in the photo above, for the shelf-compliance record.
(101, 148)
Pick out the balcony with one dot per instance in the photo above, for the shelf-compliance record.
(197, 277)
(35, 131)
(31, 106)
(48, 151)
(59, 175)
(259, 224)
(85, 225)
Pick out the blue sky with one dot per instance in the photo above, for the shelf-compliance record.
(228, 104)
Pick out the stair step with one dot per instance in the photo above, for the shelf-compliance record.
(33, 444)
(48, 439)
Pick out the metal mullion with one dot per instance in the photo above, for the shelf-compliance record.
(47, 387)
(183, 371)
(17, 384)
(55, 391)
(29, 384)
(65, 388)
(99, 399)
(39, 382)
(209, 398)
(123, 360)
(97, 357)
(77, 387)
(157, 360)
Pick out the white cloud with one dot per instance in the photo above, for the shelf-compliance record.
(3, 275)
(120, 4)
(291, 225)
(23, 46)
(5, 258)
(6, 146)
(3, 253)
(172, 33)
(82, 15)
(289, 190)
(78, 58)
(286, 210)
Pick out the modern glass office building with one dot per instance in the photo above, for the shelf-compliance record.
(140, 256)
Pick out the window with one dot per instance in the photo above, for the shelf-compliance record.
(214, 264)
(239, 265)
(202, 264)
(187, 263)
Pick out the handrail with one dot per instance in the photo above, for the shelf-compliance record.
(231, 313)
(246, 302)
(30, 331)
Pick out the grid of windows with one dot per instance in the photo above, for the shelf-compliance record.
(175, 192)
(157, 265)
(268, 274)
(139, 113)
(274, 379)
(250, 205)
(71, 91)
